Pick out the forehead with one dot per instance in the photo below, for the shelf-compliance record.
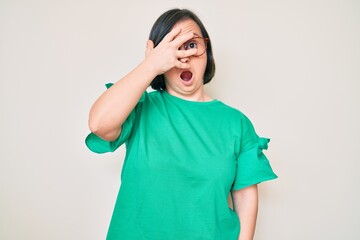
(187, 26)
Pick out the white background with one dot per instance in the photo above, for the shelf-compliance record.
(293, 67)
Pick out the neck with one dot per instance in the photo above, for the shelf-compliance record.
(198, 96)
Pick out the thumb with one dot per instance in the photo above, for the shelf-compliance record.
(149, 47)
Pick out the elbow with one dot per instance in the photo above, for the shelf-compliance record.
(93, 124)
(97, 128)
(94, 128)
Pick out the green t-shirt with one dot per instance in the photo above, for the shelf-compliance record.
(182, 159)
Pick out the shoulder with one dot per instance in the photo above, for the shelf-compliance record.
(152, 94)
(149, 96)
(232, 112)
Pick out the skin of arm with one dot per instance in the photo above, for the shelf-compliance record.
(111, 109)
(245, 202)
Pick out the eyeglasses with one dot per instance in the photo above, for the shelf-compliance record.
(199, 43)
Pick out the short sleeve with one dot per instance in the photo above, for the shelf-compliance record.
(252, 167)
(99, 145)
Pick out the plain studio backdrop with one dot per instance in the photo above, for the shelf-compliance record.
(293, 67)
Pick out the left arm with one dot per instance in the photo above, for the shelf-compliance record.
(245, 203)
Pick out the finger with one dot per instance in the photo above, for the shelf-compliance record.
(184, 60)
(182, 65)
(186, 53)
(172, 34)
(149, 47)
(181, 39)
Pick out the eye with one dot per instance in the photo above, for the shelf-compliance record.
(190, 45)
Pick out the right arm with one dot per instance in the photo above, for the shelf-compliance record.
(111, 109)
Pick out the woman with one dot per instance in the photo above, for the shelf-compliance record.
(185, 151)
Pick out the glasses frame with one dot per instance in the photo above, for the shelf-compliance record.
(206, 41)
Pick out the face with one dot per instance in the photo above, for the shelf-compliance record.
(187, 83)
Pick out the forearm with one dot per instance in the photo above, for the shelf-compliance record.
(111, 109)
(246, 206)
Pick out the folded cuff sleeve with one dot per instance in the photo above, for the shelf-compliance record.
(253, 166)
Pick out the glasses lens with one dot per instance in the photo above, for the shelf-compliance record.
(198, 43)
(201, 46)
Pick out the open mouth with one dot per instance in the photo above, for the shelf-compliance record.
(186, 76)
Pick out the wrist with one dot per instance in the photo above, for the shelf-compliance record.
(149, 68)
